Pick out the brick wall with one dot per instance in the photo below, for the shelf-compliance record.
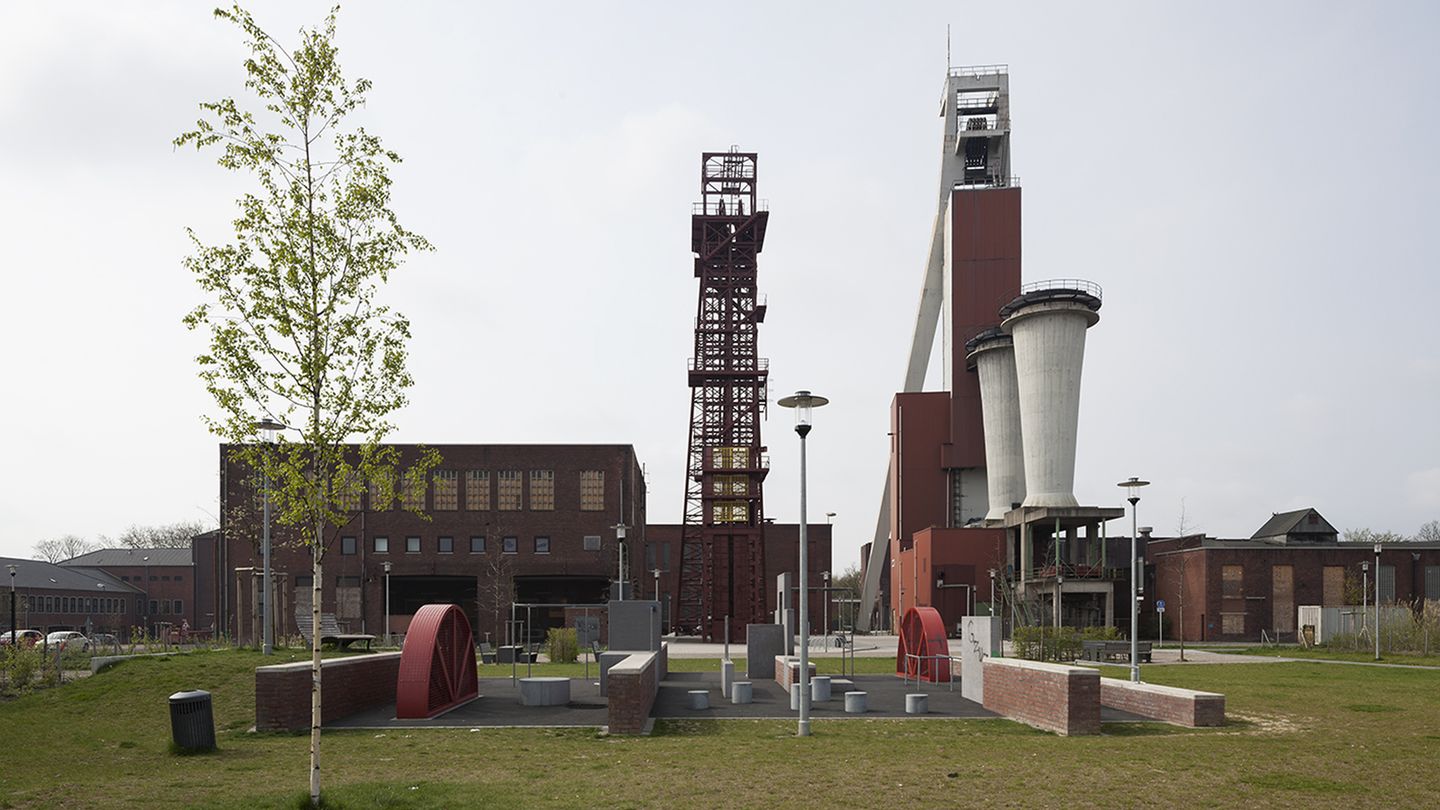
(787, 671)
(1183, 707)
(1052, 697)
(348, 685)
(632, 685)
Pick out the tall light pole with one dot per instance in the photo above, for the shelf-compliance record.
(1365, 594)
(146, 560)
(386, 566)
(825, 591)
(268, 428)
(658, 605)
(620, 546)
(1377, 600)
(14, 630)
(803, 402)
(1132, 488)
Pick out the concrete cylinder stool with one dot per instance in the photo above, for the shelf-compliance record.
(855, 702)
(820, 688)
(699, 698)
(741, 692)
(795, 697)
(917, 704)
(727, 677)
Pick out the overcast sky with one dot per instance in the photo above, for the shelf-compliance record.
(1254, 185)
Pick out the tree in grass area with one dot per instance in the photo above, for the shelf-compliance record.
(296, 331)
(66, 547)
(1184, 528)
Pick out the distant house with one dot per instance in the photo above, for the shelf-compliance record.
(1299, 526)
(63, 597)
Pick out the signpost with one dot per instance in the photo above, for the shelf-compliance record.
(1160, 609)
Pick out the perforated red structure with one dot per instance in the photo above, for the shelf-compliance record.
(437, 668)
(922, 634)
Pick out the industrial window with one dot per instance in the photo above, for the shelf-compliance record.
(510, 545)
(542, 545)
(732, 458)
(179, 578)
(542, 490)
(447, 491)
(1432, 582)
(154, 607)
(179, 607)
(477, 545)
(382, 493)
(731, 512)
(477, 490)
(509, 496)
(592, 542)
(89, 605)
(412, 494)
(1232, 582)
(592, 490)
(447, 545)
(729, 485)
(382, 545)
(1387, 584)
(49, 604)
(347, 545)
(412, 545)
(1232, 624)
(348, 489)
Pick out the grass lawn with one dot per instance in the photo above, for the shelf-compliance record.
(1332, 654)
(1301, 735)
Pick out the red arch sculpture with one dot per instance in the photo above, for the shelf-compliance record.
(922, 633)
(437, 667)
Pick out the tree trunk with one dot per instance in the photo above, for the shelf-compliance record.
(315, 669)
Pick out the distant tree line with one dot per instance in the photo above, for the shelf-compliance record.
(170, 535)
(1428, 533)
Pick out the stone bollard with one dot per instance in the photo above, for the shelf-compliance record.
(820, 688)
(727, 677)
(795, 697)
(917, 704)
(855, 702)
(741, 692)
(699, 698)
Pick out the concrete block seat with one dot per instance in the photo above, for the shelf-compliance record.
(699, 698)
(856, 702)
(544, 691)
(918, 703)
(742, 692)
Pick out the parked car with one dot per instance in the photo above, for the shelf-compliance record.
(68, 640)
(28, 638)
(103, 640)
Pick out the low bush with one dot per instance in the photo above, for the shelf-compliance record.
(561, 645)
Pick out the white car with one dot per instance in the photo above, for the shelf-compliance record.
(28, 638)
(68, 640)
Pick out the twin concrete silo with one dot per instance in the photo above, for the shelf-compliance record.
(1029, 371)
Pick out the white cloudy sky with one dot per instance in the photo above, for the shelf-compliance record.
(1254, 184)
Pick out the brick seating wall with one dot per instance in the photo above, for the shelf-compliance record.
(1052, 697)
(1183, 707)
(787, 671)
(347, 685)
(631, 687)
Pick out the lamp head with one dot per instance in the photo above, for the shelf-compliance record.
(268, 429)
(804, 403)
(386, 565)
(1377, 546)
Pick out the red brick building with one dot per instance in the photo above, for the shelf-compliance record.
(1232, 590)
(68, 597)
(165, 578)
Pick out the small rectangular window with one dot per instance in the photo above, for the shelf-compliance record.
(477, 545)
(412, 545)
(542, 490)
(477, 490)
(154, 607)
(592, 542)
(347, 546)
(447, 493)
(447, 545)
(509, 497)
(180, 605)
(592, 490)
(382, 545)
(542, 545)
(510, 545)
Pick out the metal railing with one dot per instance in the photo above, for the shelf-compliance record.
(979, 70)
(1078, 284)
(954, 665)
(990, 181)
(719, 208)
(761, 364)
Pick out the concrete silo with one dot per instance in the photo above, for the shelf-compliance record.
(992, 354)
(1047, 323)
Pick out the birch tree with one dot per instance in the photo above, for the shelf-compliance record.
(291, 298)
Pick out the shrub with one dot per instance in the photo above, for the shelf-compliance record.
(561, 645)
(18, 666)
(1048, 643)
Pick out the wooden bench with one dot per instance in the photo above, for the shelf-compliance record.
(1113, 650)
(330, 631)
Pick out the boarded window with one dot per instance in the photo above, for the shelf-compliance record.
(592, 542)
(347, 598)
(1232, 582)
(412, 492)
(1387, 584)
(1333, 587)
(1232, 624)
(477, 490)
(1282, 598)
(592, 490)
(509, 495)
(447, 490)
(542, 490)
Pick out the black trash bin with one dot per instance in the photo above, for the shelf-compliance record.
(192, 720)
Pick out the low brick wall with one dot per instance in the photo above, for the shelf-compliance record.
(631, 688)
(1183, 707)
(787, 671)
(1052, 697)
(347, 685)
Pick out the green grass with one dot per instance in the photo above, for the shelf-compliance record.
(1332, 654)
(1302, 735)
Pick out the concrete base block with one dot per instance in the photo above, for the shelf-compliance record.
(544, 691)
(856, 702)
(699, 698)
(794, 697)
(917, 704)
(820, 688)
(727, 677)
(762, 643)
(742, 692)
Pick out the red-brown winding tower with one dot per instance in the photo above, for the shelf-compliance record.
(722, 568)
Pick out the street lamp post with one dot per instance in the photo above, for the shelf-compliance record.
(14, 629)
(146, 560)
(1365, 595)
(268, 429)
(386, 566)
(658, 604)
(620, 546)
(1132, 487)
(1377, 601)
(804, 403)
(825, 591)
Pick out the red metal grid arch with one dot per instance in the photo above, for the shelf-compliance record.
(922, 633)
(437, 667)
